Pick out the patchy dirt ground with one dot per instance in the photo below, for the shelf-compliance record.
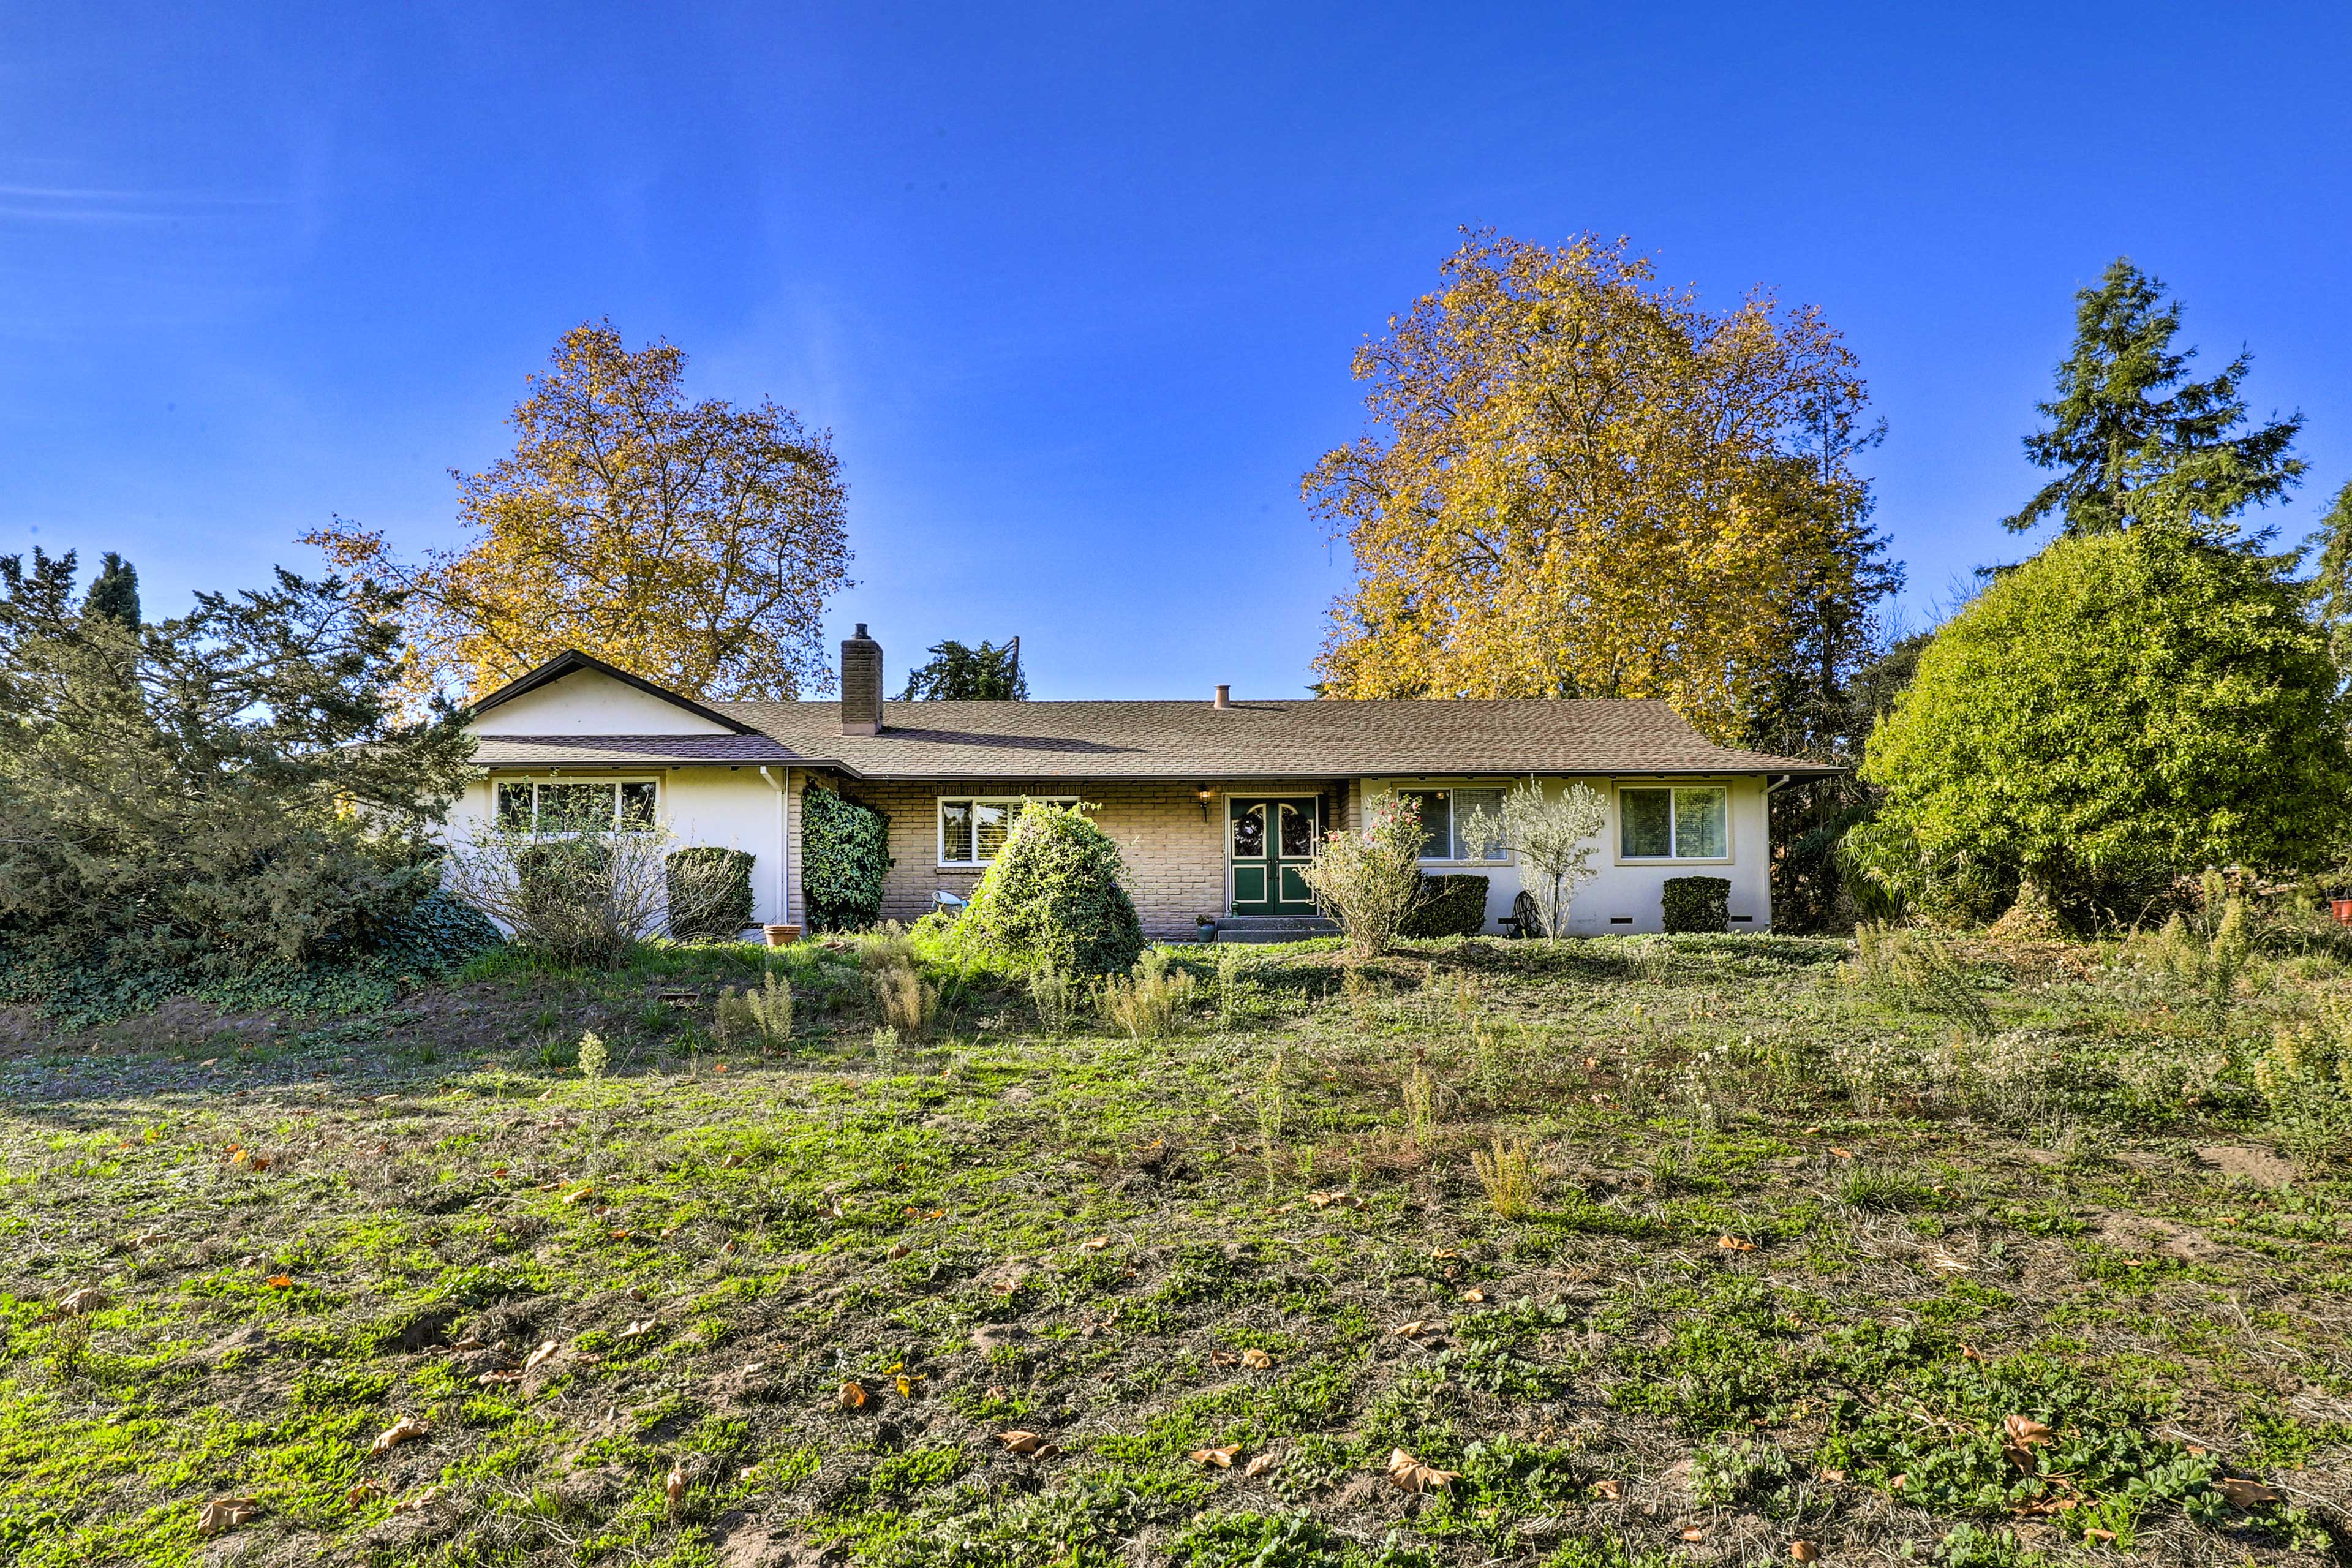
(1751, 1262)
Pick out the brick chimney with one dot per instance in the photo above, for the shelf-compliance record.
(861, 684)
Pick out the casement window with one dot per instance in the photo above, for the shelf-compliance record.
(973, 829)
(1445, 818)
(525, 806)
(1673, 824)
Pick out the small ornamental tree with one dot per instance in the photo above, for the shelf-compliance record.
(1554, 837)
(2124, 706)
(1056, 897)
(1369, 879)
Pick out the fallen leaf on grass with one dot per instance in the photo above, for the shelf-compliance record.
(546, 1348)
(1473, 1294)
(1258, 1466)
(1415, 1477)
(1094, 1244)
(399, 1432)
(1693, 1533)
(2247, 1494)
(489, 1379)
(1223, 1358)
(907, 1380)
(1338, 1198)
(580, 1197)
(902, 1250)
(1221, 1458)
(1257, 1359)
(2026, 1431)
(1417, 1328)
(224, 1513)
(639, 1330)
(1832, 1476)
(1610, 1491)
(1841, 1154)
(851, 1396)
(1734, 1243)
(89, 1299)
(366, 1491)
(1022, 1442)
(674, 1485)
(280, 1281)
(1803, 1550)
(422, 1500)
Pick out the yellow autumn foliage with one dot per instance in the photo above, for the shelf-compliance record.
(1577, 482)
(692, 543)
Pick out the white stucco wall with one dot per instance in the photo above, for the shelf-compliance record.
(1628, 897)
(590, 702)
(734, 808)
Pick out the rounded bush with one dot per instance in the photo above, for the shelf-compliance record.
(1056, 897)
(2125, 706)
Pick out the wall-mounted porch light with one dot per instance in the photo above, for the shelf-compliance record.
(1204, 792)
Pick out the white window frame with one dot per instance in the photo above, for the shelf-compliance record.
(1673, 827)
(1449, 790)
(497, 817)
(940, 823)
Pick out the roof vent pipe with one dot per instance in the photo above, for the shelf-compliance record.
(1225, 698)
(861, 684)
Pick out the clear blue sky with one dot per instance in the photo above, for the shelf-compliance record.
(1076, 289)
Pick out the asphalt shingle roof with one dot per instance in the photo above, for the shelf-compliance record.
(1287, 739)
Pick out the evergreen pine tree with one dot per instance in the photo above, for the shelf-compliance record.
(956, 673)
(114, 592)
(2133, 439)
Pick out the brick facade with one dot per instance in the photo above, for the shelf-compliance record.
(1175, 853)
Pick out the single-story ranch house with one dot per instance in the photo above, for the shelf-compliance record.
(1215, 804)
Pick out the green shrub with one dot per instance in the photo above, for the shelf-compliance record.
(709, 893)
(1056, 895)
(845, 856)
(2116, 709)
(1448, 906)
(1698, 904)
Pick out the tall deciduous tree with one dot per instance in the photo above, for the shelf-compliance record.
(955, 673)
(2134, 440)
(1578, 483)
(695, 543)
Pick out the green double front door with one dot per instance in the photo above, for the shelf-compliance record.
(1270, 843)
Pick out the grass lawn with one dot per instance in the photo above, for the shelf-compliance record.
(2032, 1254)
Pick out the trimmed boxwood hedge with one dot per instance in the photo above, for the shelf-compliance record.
(1698, 904)
(710, 892)
(1448, 906)
(845, 855)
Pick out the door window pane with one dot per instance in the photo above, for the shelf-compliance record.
(1297, 836)
(955, 831)
(637, 805)
(1646, 823)
(1436, 821)
(991, 821)
(1468, 805)
(1249, 834)
(574, 806)
(1701, 832)
(514, 807)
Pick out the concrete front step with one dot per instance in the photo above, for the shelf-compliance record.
(1273, 927)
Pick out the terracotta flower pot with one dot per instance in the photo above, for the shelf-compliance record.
(782, 936)
(2342, 908)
